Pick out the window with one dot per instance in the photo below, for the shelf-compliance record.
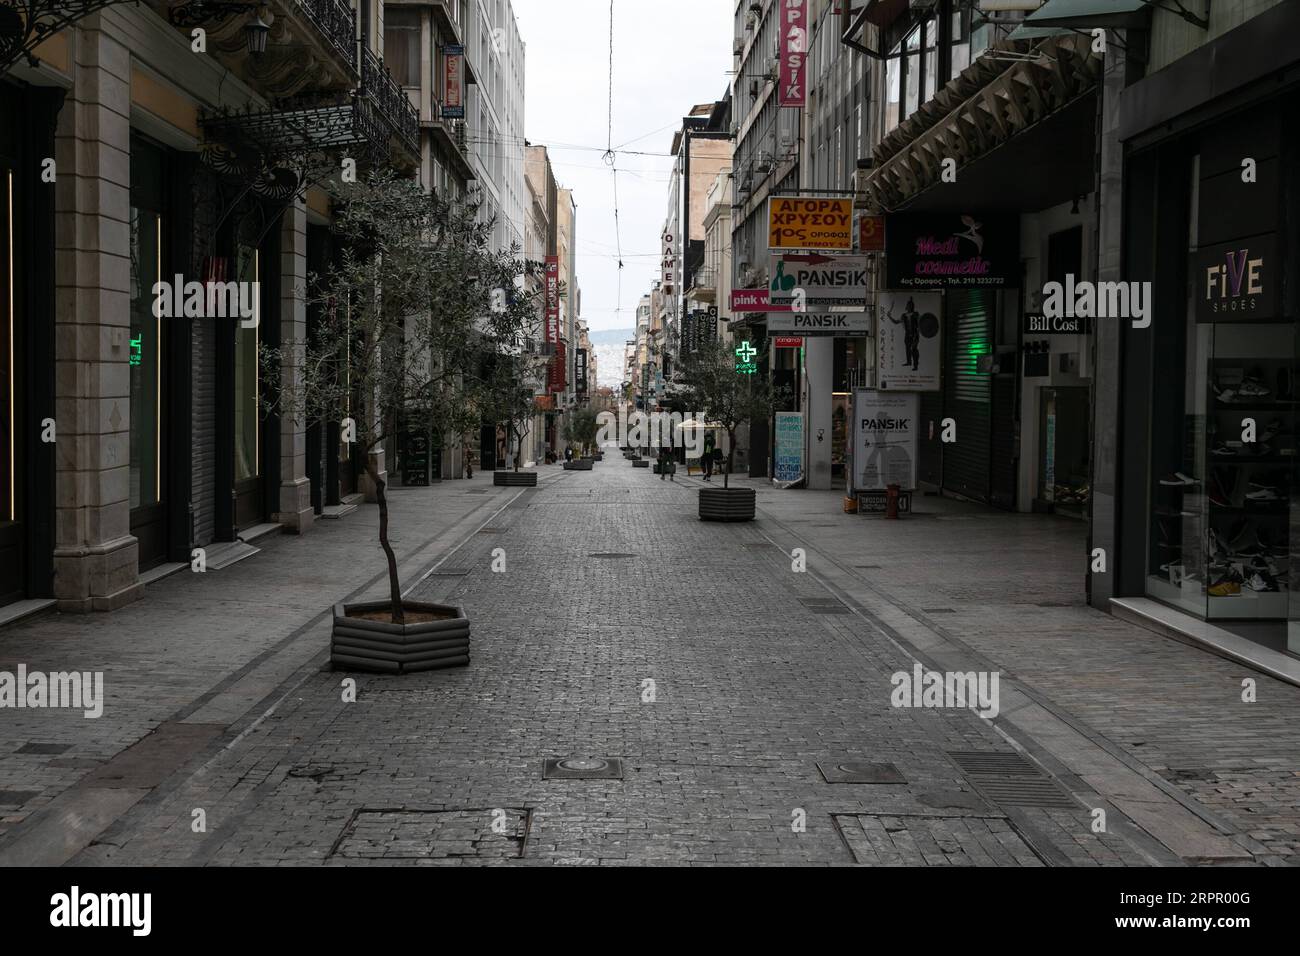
(8, 369)
(248, 462)
(931, 58)
(893, 80)
(960, 53)
(402, 44)
(145, 352)
(912, 74)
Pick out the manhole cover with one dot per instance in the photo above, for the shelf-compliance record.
(583, 768)
(609, 555)
(500, 833)
(918, 840)
(856, 771)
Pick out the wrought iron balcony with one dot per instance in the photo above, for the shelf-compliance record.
(394, 106)
(334, 19)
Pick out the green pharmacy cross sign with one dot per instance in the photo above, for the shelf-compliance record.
(745, 364)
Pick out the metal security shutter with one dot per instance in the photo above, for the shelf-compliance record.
(1002, 443)
(204, 418)
(967, 393)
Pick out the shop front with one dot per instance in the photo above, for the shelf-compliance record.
(26, 342)
(1211, 218)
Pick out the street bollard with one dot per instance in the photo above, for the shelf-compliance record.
(891, 501)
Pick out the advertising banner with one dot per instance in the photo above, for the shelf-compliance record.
(885, 431)
(909, 355)
(796, 223)
(788, 459)
(580, 373)
(555, 374)
(668, 265)
(818, 283)
(453, 90)
(871, 233)
(792, 37)
(754, 300)
(787, 342)
(821, 324)
(952, 250)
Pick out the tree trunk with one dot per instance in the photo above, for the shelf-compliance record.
(395, 589)
(731, 456)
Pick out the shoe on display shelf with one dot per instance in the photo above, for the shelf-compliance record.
(1177, 479)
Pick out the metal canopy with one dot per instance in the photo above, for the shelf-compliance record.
(1089, 14)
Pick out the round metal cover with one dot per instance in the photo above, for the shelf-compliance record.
(859, 769)
(584, 765)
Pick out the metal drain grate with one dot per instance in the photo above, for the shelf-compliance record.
(825, 606)
(937, 610)
(382, 834)
(610, 555)
(877, 839)
(867, 567)
(449, 572)
(758, 546)
(583, 768)
(852, 771)
(994, 761)
(491, 530)
(1010, 779)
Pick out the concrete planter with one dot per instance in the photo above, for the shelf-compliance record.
(514, 479)
(726, 504)
(640, 463)
(362, 645)
(582, 464)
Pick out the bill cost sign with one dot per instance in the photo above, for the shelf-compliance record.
(795, 223)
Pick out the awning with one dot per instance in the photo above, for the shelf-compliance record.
(988, 105)
(1090, 14)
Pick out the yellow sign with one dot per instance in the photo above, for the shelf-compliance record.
(797, 223)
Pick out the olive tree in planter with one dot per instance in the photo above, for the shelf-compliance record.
(581, 429)
(515, 373)
(399, 312)
(720, 392)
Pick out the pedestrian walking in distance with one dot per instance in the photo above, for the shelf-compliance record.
(666, 463)
(706, 461)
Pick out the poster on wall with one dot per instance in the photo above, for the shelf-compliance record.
(908, 342)
(788, 460)
(885, 430)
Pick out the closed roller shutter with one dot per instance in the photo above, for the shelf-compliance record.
(204, 420)
(967, 393)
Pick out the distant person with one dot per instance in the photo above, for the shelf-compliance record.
(710, 451)
(666, 464)
(568, 453)
(469, 462)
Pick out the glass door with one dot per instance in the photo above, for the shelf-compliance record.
(13, 545)
(249, 497)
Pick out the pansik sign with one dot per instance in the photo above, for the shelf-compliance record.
(821, 324)
(795, 223)
(817, 283)
(453, 90)
(937, 250)
(884, 439)
(792, 37)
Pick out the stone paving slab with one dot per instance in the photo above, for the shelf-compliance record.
(751, 689)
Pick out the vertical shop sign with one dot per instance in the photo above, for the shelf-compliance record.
(555, 374)
(453, 91)
(792, 33)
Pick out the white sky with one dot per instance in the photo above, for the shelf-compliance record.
(668, 56)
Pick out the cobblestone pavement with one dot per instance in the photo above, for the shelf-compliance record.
(740, 703)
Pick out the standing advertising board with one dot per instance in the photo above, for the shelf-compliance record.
(885, 433)
(788, 460)
(908, 342)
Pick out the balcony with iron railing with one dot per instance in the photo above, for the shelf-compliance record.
(309, 45)
(390, 101)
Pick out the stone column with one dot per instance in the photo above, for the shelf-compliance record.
(819, 361)
(295, 512)
(95, 555)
